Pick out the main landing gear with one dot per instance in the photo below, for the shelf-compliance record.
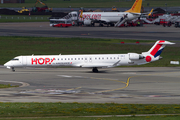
(13, 69)
(95, 70)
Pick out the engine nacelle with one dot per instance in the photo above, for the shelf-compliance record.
(87, 22)
(135, 56)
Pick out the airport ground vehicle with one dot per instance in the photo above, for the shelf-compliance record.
(137, 23)
(60, 23)
(23, 10)
(165, 23)
(114, 9)
(177, 24)
(41, 9)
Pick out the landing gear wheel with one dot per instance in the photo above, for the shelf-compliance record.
(100, 24)
(111, 24)
(107, 24)
(95, 70)
(92, 24)
(13, 69)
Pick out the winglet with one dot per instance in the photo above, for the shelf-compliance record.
(81, 14)
(136, 8)
(150, 12)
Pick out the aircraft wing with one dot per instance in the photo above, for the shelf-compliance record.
(148, 13)
(94, 65)
(105, 20)
(99, 65)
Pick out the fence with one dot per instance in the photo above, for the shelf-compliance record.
(23, 18)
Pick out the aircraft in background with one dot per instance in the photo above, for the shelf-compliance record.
(109, 18)
(93, 61)
(112, 18)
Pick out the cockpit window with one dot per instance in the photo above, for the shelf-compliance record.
(15, 59)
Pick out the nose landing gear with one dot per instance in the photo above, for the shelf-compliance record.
(13, 69)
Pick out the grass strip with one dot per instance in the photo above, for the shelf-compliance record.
(161, 117)
(16, 46)
(7, 86)
(58, 109)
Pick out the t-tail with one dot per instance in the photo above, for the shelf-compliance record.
(136, 8)
(154, 53)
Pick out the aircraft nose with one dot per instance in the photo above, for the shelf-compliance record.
(7, 64)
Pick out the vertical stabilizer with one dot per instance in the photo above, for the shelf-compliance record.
(158, 47)
(154, 53)
(136, 8)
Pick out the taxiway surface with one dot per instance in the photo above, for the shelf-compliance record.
(148, 32)
(120, 85)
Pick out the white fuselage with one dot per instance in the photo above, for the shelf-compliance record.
(109, 17)
(89, 61)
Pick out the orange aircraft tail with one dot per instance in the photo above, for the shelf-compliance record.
(136, 8)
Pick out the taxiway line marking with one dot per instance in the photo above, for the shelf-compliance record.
(23, 83)
(126, 84)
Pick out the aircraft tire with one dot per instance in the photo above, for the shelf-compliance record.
(13, 69)
(164, 25)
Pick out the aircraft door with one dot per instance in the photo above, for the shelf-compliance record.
(24, 60)
(122, 57)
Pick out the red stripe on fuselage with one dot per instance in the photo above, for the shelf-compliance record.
(156, 48)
